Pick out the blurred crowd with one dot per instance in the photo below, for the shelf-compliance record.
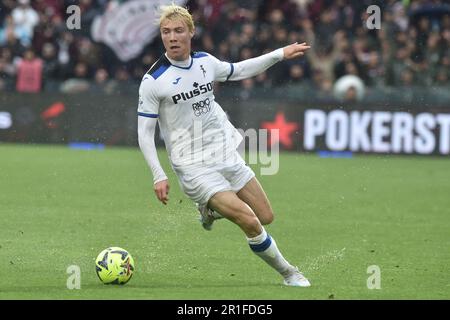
(412, 47)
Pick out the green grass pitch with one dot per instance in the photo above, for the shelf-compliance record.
(334, 219)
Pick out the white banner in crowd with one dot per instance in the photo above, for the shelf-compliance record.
(127, 28)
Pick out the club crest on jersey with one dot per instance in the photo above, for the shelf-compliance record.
(203, 70)
(199, 89)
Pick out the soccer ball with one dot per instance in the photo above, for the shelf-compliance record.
(114, 265)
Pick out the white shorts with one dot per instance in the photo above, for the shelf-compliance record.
(201, 183)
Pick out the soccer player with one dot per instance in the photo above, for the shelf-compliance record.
(201, 143)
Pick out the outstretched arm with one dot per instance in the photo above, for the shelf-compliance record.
(146, 137)
(252, 67)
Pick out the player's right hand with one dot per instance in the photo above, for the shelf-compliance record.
(162, 191)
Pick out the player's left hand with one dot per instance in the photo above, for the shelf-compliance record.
(295, 50)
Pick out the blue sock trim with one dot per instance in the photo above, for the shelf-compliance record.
(262, 246)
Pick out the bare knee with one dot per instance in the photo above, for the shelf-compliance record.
(266, 218)
(249, 223)
(264, 214)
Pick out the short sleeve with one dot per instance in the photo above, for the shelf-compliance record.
(222, 70)
(148, 99)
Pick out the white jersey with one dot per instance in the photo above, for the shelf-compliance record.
(179, 96)
(194, 126)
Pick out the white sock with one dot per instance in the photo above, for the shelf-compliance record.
(264, 246)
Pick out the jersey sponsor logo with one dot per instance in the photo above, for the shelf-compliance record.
(199, 89)
(201, 107)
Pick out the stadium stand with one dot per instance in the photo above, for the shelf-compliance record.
(412, 48)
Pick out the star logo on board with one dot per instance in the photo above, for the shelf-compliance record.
(195, 84)
(285, 130)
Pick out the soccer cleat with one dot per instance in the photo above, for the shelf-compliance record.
(295, 278)
(207, 216)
